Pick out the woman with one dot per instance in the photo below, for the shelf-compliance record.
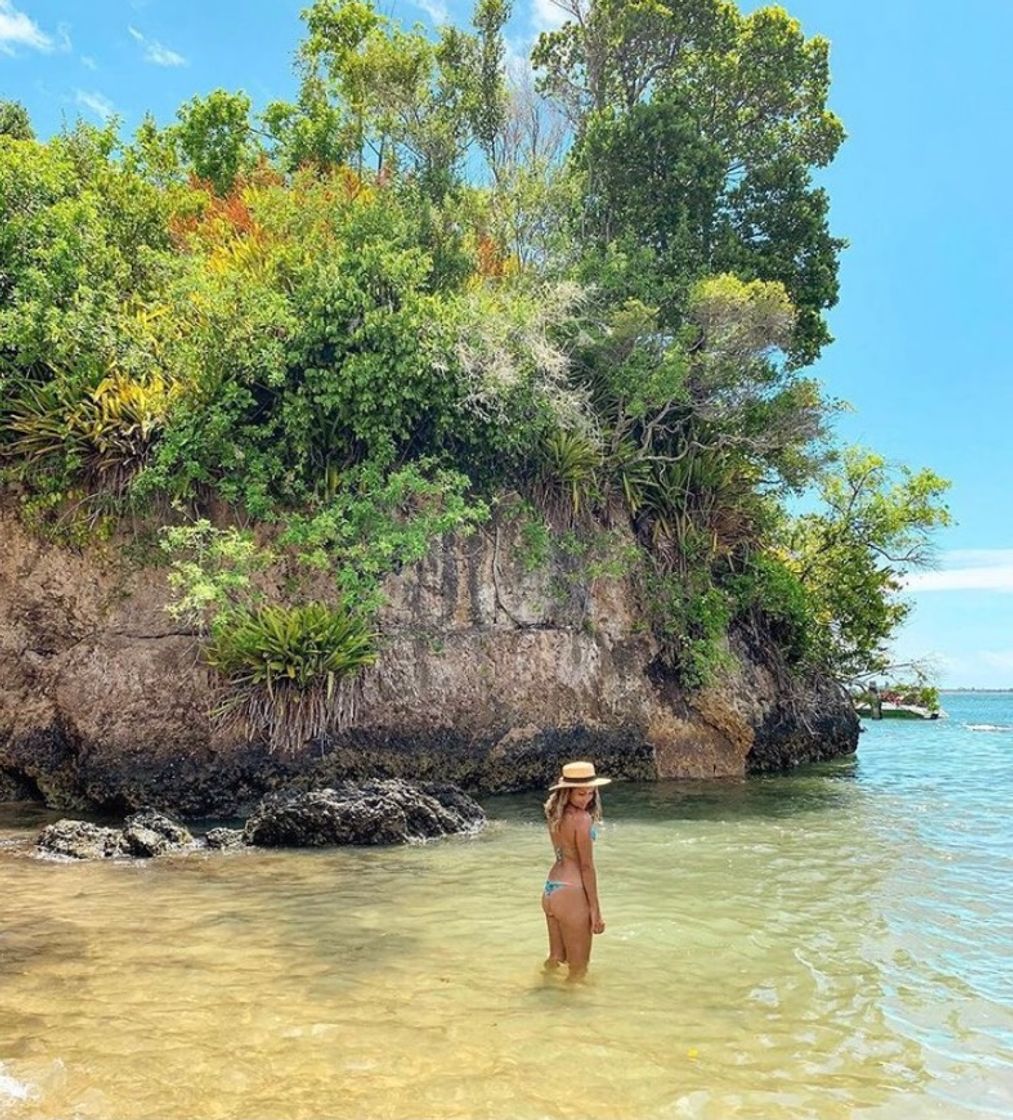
(570, 898)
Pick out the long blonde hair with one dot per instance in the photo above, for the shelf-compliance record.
(555, 807)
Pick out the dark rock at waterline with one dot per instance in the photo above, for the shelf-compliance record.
(149, 833)
(145, 834)
(222, 839)
(81, 840)
(389, 811)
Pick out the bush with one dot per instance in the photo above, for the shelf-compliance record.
(287, 669)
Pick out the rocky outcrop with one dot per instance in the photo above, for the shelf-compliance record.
(80, 840)
(225, 839)
(380, 812)
(144, 835)
(148, 833)
(490, 676)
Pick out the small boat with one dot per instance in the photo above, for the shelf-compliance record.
(890, 710)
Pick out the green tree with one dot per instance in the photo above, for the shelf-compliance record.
(852, 556)
(14, 121)
(217, 137)
(697, 129)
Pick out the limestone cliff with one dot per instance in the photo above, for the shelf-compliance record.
(488, 678)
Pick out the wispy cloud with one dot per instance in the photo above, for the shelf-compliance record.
(546, 15)
(435, 9)
(155, 52)
(88, 62)
(19, 30)
(100, 105)
(980, 569)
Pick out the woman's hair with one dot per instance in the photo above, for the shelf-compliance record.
(558, 801)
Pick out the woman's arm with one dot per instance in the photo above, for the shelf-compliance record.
(585, 854)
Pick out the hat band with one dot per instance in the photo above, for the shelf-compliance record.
(578, 781)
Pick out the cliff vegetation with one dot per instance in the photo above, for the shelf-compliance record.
(288, 349)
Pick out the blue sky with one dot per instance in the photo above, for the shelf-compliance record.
(920, 189)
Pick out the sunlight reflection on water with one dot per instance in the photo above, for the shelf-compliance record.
(829, 944)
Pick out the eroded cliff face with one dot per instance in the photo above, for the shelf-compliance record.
(488, 677)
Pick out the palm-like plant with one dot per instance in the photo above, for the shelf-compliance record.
(105, 427)
(289, 672)
(567, 479)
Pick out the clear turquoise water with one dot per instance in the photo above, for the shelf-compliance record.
(832, 943)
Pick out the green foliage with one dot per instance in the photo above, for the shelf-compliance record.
(215, 136)
(690, 619)
(212, 572)
(298, 647)
(567, 478)
(377, 523)
(287, 669)
(103, 432)
(851, 557)
(719, 119)
(14, 121)
(771, 600)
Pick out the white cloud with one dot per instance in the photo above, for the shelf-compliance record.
(547, 15)
(974, 569)
(435, 9)
(101, 106)
(88, 62)
(155, 52)
(17, 29)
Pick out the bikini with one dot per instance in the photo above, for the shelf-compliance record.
(553, 885)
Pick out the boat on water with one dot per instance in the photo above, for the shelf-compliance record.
(888, 710)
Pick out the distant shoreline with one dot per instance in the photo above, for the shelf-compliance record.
(944, 691)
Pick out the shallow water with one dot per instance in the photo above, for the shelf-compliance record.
(834, 943)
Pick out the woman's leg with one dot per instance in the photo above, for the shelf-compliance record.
(557, 951)
(573, 916)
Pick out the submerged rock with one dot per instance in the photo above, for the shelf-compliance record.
(221, 839)
(391, 811)
(149, 833)
(80, 840)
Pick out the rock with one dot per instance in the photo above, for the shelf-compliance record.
(389, 811)
(80, 840)
(491, 677)
(221, 839)
(149, 833)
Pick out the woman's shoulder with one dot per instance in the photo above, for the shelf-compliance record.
(580, 818)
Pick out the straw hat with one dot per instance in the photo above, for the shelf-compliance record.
(579, 775)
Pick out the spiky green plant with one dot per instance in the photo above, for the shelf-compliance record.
(289, 672)
(104, 427)
(567, 478)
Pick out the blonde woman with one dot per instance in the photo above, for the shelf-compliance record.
(570, 898)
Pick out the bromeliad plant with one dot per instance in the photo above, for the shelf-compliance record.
(290, 672)
(102, 429)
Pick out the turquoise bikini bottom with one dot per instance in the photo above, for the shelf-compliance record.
(553, 885)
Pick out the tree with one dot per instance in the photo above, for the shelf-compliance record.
(216, 136)
(852, 556)
(14, 121)
(696, 132)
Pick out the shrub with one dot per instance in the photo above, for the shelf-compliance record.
(287, 670)
(100, 431)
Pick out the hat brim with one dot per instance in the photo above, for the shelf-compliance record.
(589, 783)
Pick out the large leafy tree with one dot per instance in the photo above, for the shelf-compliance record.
(697, 132)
